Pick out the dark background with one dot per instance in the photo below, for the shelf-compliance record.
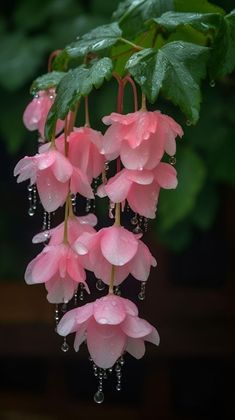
(190, 296)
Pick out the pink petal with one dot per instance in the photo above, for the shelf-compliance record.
(120, 274)
(52, 193)
(72, 320)
(136, 347)
(80, 336)
(45, 160)
(166, 175)
(140, 177)
(62, 168)
(118, 187)
(89, 219)
(80, 184)
(124, 119)
(111, 143)
(32, 114)
(86, 242)
(130, 307)
(156, 143)
(74, 267)
(118, 245)
(44, 266)
(109, 310)
(136, 327)
(153, 337)
(141, 263)
(143, 199)
(134, 158)
(60, 290)
(42, 237)
(105, 343)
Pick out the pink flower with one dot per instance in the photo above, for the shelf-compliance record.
(76, 226)
(140, 138)
(115, 246)
(60, 268)
(111, 326)
(83, 151)
(140, 188)
(51, 171)
(36, 112)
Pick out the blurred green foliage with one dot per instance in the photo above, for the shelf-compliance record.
(30, 30)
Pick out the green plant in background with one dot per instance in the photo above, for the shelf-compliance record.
(169, 48)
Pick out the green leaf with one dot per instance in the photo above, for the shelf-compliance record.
(176, 69)
(199, 6)
(202, 22)
(75, 84)
(98, 39)
(47, 81)
(175, 205)
(223, 51)
(132, 15)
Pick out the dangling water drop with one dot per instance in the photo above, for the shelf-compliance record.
(34, 197)
(188, 123)
(88, 205)
(64, 307)
(81, 291)
(172, 160)
(111, 208)
(137, 229)
(212, 83)
(75, 297)
(134, 220)
(99, 397)
(57, 318)
(65, 346)
(145, 224)
(141, 295)
(117, 291)
(31, 211)
(118, 371)
(100, 285)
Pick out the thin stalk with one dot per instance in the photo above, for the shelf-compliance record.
(50, 59)
(66, 216)
(136, 47)
(143, 104)
(87, 117)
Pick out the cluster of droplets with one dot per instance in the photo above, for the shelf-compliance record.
(102, 374)
(32, 197)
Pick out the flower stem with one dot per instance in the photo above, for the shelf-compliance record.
(143, 104)
(87, 117)
(118, 214)
(112, 279)
(133, 85)
(50, 59)
(66, 216)
(136, 47)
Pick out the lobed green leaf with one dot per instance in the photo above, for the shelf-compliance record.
(47, 81)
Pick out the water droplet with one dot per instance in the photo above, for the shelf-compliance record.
(99, 397)
(102, 320)
(188, 123)
(134, 220)
(212, 83)
(31, 211)
(137, 229)
(30, 188)
(65, 346)
(172, 160)
(118, 387)
(100, 285)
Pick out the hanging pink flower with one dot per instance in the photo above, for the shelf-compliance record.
(51, 171)
(140, 138)
(115, 246)
(110, 326)
(83, 151)
(75, 227)
(60, 268)
(54, 176)
(36, 112)
(140, 188)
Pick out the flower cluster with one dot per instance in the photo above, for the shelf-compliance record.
(66, 167)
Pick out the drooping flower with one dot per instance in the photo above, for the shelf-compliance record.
(111, 326)
(51, 172)
(140, 138)
(60, 268)
(140, 188)
(36, 112)
(83, 151)
(75, 227)
(115, 246)
(54, 176)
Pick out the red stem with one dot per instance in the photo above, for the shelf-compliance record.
(133, 85)
(50, 59)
